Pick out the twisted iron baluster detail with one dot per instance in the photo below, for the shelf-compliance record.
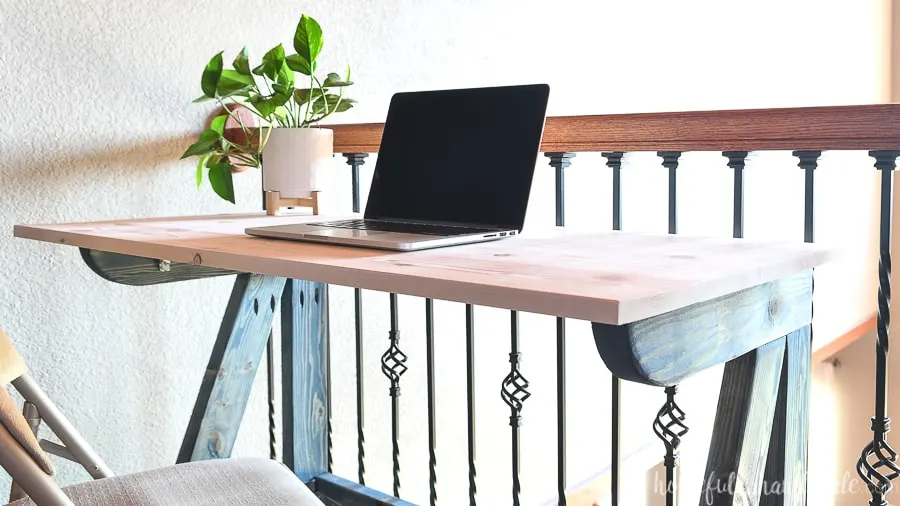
(393, 365)
(884, 300)
(270, 390)
(879, 482)
(514, 392)
(669, 427)
(876, 465)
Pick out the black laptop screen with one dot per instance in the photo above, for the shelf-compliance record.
(459, 156)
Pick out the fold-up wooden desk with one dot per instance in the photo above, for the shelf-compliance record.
(663, 308)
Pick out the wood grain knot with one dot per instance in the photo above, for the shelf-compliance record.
(403, 264)
(319, 410)
(774, 308)
(198, 260)
(503, 254)
(215, 442)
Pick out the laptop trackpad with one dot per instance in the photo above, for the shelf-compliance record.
(346, 233)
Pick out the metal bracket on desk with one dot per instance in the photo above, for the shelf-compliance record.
(140, 271)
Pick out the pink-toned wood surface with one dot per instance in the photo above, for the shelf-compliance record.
(611, 277)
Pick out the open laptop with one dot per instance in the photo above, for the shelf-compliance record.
(454, 167)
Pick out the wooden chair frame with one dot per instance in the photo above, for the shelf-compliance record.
(28, 478)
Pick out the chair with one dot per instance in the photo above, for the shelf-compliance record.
(221, 482)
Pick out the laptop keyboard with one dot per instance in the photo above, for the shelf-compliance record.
(406, 228)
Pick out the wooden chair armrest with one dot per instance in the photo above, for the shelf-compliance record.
(11, 364)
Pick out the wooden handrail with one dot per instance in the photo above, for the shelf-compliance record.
(804, 128)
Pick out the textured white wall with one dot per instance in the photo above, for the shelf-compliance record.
(97, 110)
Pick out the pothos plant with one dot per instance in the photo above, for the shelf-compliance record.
(282, 91)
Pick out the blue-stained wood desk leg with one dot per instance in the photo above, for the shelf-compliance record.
(754, 332)
(736, 466)
(786, 466)
(232, 367)
(304, 377)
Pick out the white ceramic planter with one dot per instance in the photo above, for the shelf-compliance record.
(295, 160)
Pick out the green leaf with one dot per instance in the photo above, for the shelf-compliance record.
(210, 79)
(266, 106)
(204, 98)
(258, 70)
(345, 104)
(233, 82)
(205, 144)
(285, 76)
(333, 80)
(302, 95)
(218, 124)
(241, 62)
(280, 112)
(272, 62)
(220, 179)
(200, 166)
(347, 78)
(282, 90)
(308, 39)
(335, 104)
(298, 64)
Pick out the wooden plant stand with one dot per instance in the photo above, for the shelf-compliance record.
(275, 202)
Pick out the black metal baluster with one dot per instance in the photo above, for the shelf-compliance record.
(328, 404)
(355, 161)
(559, 161)
(514, 392)
(429, 378)
(670, 161)
(671, 438)
(270, 380)
(470, 397)
(393, 365)
(878, 454)
(809, 160)
(669, 427)
(270, 389)
(737, 160)
(778, 456)
(614, 161)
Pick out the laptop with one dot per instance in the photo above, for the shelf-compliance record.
(454, 167)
